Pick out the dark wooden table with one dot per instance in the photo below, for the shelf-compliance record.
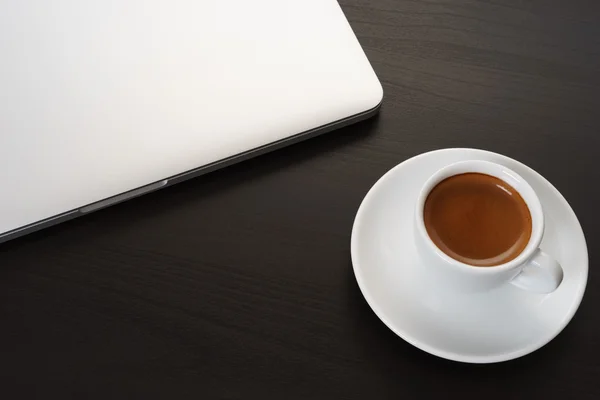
(239, 284)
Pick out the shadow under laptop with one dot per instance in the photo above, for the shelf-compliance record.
(91, 227)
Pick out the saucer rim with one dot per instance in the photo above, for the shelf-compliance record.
(485, 155)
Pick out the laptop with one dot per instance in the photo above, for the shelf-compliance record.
(103, 101)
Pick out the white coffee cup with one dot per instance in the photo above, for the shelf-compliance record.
(532, 269)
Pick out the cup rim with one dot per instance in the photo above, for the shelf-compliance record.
(485, 167)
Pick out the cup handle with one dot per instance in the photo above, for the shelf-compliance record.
(541, 274)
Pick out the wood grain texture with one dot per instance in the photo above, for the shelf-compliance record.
(239, 284)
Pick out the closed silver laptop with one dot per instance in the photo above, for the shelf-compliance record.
(101, 101)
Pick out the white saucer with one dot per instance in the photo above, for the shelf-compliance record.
(479, 328)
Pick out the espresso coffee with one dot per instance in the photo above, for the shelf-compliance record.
(477, 219)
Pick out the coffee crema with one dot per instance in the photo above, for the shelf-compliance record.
(477, 219)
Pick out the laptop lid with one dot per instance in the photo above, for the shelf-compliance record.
(105, 100)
